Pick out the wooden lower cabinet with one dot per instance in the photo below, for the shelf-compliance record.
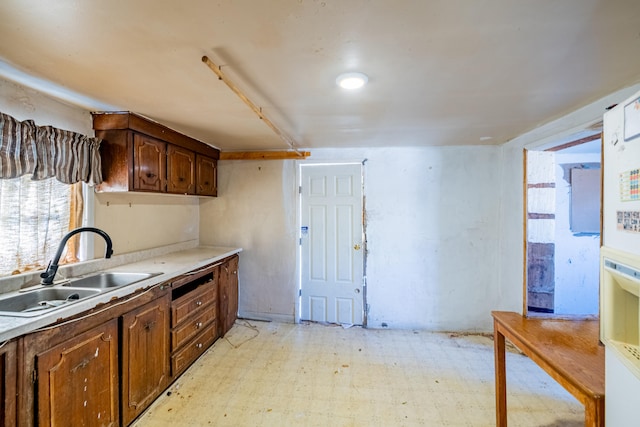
(77, 381)
(145, 356)
(194, 310)
(184, 357)
(104, 367)
(8, 384)
(228, 289)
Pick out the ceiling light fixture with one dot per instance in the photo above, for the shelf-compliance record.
(352, 80)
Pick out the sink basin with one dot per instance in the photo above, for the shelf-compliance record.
(109, 280)
(40, 301)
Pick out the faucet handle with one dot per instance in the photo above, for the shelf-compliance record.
(46, 273)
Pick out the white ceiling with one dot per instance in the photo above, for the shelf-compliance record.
(441, 72)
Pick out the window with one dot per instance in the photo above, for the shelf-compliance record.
(41, 170)
(34, 216)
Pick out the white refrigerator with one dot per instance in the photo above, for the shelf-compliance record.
(620, 263)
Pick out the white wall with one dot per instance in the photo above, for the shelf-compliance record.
(144, 221)
(432, 232)
(255, 209)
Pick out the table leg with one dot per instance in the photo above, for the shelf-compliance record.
(501, 380)
(594, 413)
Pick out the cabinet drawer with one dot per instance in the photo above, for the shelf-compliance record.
(186, 305)
(190, 352)
(192, 326)
(194, 276)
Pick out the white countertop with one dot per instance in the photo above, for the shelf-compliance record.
(170, 265)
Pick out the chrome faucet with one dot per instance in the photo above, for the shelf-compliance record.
(52, 268)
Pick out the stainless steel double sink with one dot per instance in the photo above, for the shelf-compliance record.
(41, 300)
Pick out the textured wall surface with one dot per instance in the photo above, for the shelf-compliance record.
(432, 232)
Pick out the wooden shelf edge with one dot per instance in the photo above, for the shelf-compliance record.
(263, 155)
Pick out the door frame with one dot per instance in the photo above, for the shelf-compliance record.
(298, 235)
(553, 143)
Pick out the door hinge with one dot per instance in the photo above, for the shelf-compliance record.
(299, 292)
(300, 189)
(34, 376)
(300, 241)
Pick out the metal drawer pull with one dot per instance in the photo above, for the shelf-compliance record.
(199, 345)
(198, 325)
(198, 303)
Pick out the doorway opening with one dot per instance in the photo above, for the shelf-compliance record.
(563, 228)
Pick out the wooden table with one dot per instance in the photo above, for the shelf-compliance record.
(568, 350)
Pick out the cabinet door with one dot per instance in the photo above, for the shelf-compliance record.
(228, 294)
(149, 164)
(181, 166)
(8, 369)
(145, 356)
(206, 176)
(78, 380)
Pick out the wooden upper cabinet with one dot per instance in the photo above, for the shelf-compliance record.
(207, 176)
(181, 172)
(149, 164)
(141, 155)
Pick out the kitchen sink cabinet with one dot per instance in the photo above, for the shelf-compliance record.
(105, 366)
(145, 356)
(228, 291)
(72, 370)
(8, 385)
(77, 380)
(141, 155)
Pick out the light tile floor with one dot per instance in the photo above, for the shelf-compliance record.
(276, 374)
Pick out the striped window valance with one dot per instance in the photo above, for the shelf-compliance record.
(46, 152)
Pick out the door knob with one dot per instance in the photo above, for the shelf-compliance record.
(356, 247)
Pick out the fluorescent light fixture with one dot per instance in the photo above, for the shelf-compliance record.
(352, 80)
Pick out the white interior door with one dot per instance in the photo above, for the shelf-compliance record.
(331, 243)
